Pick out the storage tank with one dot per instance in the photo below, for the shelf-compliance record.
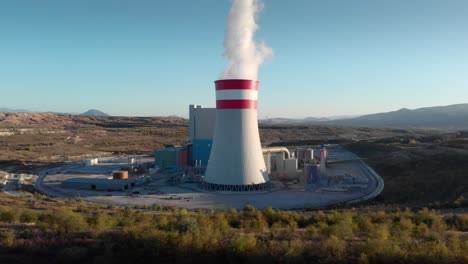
(236, 162)
(120, 175)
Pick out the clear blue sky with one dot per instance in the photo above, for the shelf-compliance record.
(151, 57)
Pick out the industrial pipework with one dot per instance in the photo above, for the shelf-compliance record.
(277, 150)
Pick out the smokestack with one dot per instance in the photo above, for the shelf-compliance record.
(236, 161)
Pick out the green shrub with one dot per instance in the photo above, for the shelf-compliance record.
(187, 225)
(8, 215)
(334, 249)
(7, 238)
(240, 245)
(66, 221)
(457, 222)
(102, 222)
(28, 216)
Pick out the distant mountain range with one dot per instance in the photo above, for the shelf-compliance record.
(9, 110)
(91, 112)
(446, 117)
(451, 116)
(307, 120)
(438, 117)
(291, 121)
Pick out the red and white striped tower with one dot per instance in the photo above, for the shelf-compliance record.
(236, 161)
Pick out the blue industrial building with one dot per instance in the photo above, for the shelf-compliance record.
(201, 149)
(201, 128)
(196, 153)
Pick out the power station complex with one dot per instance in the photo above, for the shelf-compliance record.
(224, 152)
(222, 165)
(223, 157)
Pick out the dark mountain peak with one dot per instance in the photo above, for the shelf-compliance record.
(94, 112)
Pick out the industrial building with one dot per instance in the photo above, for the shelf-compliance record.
(97, 161)
(225, 148)
(201, 123)
(172, 158)
(197, 152)
(90, 162)
(99, 184)
(201, 149)
(305, 155)
(310, 174)
(280, 162)
(201, 130)
(166, 158)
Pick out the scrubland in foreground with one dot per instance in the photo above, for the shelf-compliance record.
(45, 231)
(419, 171)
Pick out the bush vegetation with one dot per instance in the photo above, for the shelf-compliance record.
(126, 235)
(422, 175)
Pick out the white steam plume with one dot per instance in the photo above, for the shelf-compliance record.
(240, 48)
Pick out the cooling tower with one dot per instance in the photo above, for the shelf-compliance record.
(236, 161)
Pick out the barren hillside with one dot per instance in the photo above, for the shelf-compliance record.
(47, 120)
(50, 137)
